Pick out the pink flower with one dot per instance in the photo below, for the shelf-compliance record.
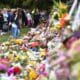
(3, 67)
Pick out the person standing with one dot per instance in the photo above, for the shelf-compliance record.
(1, 22)
(5, 17)
(36, 18)
(29, 19)
(23, 17)
(15, 25)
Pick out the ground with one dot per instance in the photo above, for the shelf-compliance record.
(7, 36)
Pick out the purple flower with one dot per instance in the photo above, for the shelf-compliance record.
(10, 71)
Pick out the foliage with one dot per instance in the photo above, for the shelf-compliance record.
(27, 3)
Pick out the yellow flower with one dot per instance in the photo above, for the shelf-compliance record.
(32, 74)
(62, 6)
(58, 26)
(18, 41)
(43, 53)
(11, 57)
(32, 63)
(16, 58)
(55, 28)
(7, 43)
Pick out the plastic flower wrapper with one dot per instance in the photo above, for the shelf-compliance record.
(6, 77)
(52, 75)
(43, 78)
(67, 32)
(32, 55)
(50, 44)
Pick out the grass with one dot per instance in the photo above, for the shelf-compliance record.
(7, 36)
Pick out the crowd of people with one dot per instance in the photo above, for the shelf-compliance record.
(13, 20)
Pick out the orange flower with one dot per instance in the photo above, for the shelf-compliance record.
(64, 20)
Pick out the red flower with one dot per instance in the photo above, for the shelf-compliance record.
(17, 70)
(35, 44)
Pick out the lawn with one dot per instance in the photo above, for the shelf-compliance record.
(7, 36)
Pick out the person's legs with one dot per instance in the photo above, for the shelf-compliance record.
(18, 32)
(29, 23)
(14, 32)
(0, 28)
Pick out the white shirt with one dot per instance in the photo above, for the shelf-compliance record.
(28, 15)
(14, 25)
(5, 15)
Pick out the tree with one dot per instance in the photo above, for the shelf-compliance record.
(41, 4)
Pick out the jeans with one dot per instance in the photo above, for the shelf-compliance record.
(15, 32)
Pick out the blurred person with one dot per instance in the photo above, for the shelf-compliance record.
(10, 18)
(36, 18)
(5, 17)
(19, 18)
(23, 17)
(1, 22)
(29, 19)
(15, 25)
